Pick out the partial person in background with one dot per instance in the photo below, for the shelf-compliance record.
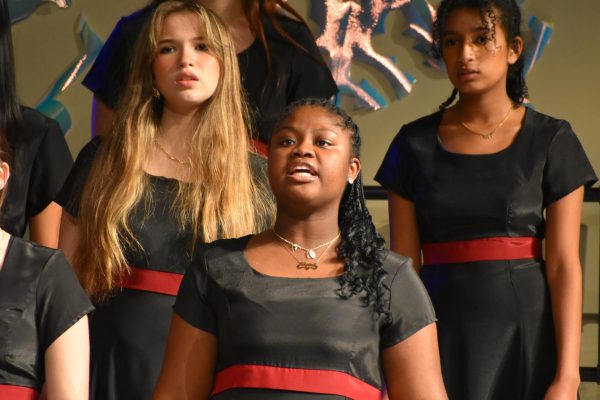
(174, 171)
(44, 341)
(277, 55)
(474, 189)
(40, 158)
(314, 308)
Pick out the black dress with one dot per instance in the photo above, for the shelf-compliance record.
(41, 163)
(495, 324)
(40, 299)
(295, 73)
(128, 332)
(295, 338)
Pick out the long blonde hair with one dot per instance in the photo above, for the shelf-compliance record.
(222, 200)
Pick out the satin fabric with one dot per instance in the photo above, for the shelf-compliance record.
(295, 323)
(495, 325)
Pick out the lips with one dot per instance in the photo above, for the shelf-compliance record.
(302, 172)
(186, 79)
(467, 72)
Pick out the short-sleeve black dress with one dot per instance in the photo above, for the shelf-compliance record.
(128, 332)
(495, 325)
(294, 338)
(41, 163)
(295, 73)
(40, 299)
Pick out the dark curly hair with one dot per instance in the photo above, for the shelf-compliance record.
(508, 13)
(362, 249)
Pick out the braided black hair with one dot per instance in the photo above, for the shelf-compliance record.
(362, 249)
(510, 19)
(10, 110)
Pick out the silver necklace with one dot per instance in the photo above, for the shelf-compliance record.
(309, 253)
(306, 265)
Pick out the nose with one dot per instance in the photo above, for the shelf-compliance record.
(467, 50)
(186, 58)
(304, 148)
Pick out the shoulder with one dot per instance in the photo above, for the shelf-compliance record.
(545, 125)
(395, 264)
(297, 30)
(88, 152)
(133, 23)
(35, 125)
(422, 126)
(212, 256)
(34, 257)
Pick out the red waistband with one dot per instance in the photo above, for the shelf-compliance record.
(486, 249)
(153, 281)
(261, 147)
(294, 379)
(11, 392)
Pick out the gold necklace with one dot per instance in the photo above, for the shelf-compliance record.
(169, 156)
(309, 253)
(489, 135)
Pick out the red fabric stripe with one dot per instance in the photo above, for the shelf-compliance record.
(10, 392)
(261, 147)
(153, 281)
(487, 249)
(294, 379)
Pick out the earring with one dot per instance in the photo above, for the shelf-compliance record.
(155, 93)
(350, 180)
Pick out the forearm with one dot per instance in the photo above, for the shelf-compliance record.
(566, 293)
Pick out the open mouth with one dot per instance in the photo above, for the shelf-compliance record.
(303, 170)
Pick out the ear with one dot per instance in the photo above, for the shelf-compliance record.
(515, 49)
(4, 174)
(353, 169)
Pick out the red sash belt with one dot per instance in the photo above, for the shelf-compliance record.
(153, 281)
(10, 392)
(486, 249)
(294, 379)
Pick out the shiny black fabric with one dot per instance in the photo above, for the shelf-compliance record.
(295, 73)
(295, 323)
(40, 298)
(495, 324)
(128, 332)
(41, 163)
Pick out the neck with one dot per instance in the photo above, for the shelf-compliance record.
(4, 238)
(483, 108)
(306, 232)
(228, 10)
(175, 128)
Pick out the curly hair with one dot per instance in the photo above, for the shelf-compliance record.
(508, 14)
(362, 249)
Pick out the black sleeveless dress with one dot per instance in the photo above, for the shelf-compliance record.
(495, 326)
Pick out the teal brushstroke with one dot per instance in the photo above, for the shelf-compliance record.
(21, 9)
(49, 105)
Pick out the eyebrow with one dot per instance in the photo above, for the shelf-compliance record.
(170, 39)
(291, 128)
(478, 29)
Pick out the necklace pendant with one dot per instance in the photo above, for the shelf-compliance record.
(306, 265)
(311, 254)
(488, 136)
(295, 247)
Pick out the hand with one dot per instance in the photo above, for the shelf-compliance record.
(562, 389)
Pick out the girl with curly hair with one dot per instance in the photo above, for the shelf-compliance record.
(312, 308)
(474, 189)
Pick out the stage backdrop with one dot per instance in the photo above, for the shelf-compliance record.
(563, 83)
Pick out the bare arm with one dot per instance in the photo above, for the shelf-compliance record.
(412, 367)
(188, 368)
(563, 271)
(404, 233)
(44, 227)
(102, 117)
(67, 364)
(69, 236)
